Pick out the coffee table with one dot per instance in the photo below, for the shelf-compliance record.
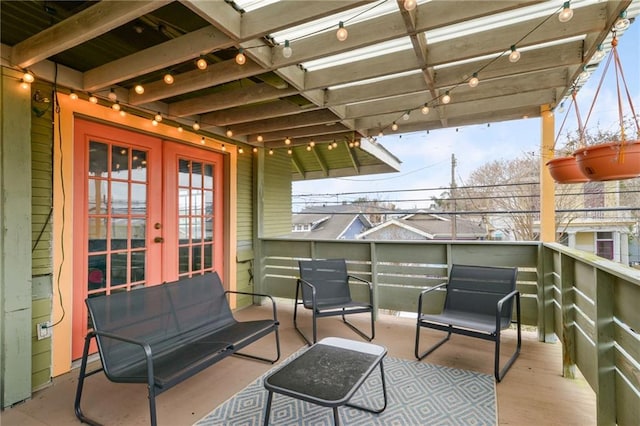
(328, 374)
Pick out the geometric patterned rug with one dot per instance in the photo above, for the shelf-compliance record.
(417, 393)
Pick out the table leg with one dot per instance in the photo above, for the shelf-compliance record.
(384, 393)
(267, 410)
(336, 416)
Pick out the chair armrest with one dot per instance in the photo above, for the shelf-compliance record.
(514, 293)
(273, 302)
(313, 291)
(428, 290)
(368, 283)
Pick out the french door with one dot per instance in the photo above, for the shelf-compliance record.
(146, 211)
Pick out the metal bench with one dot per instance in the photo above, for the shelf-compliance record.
(478, 303)
(164, 334)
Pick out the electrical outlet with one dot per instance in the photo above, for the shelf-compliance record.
(44, 330)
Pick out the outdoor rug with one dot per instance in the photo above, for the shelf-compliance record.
(417, 393)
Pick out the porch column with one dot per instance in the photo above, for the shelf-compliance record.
(15, 239)
(547, 185)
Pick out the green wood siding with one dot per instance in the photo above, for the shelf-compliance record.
(244, 243)
(277, 194)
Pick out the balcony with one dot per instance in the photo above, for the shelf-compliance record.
(589, 374)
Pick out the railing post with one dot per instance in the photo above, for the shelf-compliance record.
(545, 295)
(373, 255)
(605, 353)
(567, 303)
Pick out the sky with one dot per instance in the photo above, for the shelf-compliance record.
(426, 158)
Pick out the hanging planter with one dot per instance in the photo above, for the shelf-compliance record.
(612, 160)
(609, 161)
(566, 170)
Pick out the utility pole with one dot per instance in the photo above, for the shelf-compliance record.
(454, 225)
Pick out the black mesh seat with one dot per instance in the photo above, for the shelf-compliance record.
(478, 303)
(324, 288)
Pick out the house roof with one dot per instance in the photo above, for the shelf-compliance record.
(433, 227)
(330, 226)
(337, 94)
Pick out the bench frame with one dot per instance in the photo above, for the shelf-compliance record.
(457, 322)
(222, 351)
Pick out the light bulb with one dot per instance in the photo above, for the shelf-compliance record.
(196, 126)
(308, 147)
(424, 110)
(329, 147)
(514, 56)
(259, 138)
(240, 58)
(622, 23)
(139, 89)
(93, 99)
(410, 4)
(446, 98)
(201, 64)
(240, 150)
(229, 133)
(28, 77)
(24, 85)
(154, 122)
(286, 50)
(271, 151)
(289, 151)
(406, 116)
(474, 81)
(168, 78)
(394, 126)
(357, 143)
(180, 129)
(116, 106)
(312, 144)
(112, 95)
(254, 149)
(122, 113)
(73, 95)
(566, 13)
(380, 134)
(342, 32)
(224, 148)
(287, 141)
(202, 141)
(158, 117)
(334, 144)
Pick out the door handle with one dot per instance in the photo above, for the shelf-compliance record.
(158, 240)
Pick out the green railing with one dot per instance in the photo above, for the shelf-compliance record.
(591, 304)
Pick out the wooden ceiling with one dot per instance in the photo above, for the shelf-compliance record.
(393, 62)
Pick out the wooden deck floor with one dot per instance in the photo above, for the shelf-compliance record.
(532, 393)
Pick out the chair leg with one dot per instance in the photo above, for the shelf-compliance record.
(358, 331)
(82, 375)
(259, 358)
(417, 352)
(499, 374)
(295, 317)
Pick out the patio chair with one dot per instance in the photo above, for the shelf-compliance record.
(324, 288)
(478, 303)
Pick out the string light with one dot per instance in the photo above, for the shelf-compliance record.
(112, 95)
(330, 147)
(270, 151)
(474, 81)
(312, 143)
(180, 129)
(334, 144)
(394, 126)
(240, 150)
(116, 106)
(286, 50)
(139, 89)
(410, 4)
(202, 141)
(566, 13)
(259, 138)
(287, 141)
(73, 95)
(289, 151)
(380, 134)
(514, 56)
(168, 78)
(154, 122)
(229, 133)
(342, 32)
(446, 98)
(123, 113)
(196, 126)
(201, 63)
(24, 85)
(240, 58)
(93, 99)
(308, 147)
(406, 115)
(255, 149)
(224, 148)
(28, 77)
(425, 109)
(158, 117)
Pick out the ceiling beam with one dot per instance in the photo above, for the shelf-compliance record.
(310, 132)
(304, 119)
(319, 138)
(79, 28)
(218, 13)
(261, 111)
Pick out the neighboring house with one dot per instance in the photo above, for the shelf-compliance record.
(329, 223)
(427, 226)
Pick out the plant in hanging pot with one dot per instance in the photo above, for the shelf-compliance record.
(615, 157)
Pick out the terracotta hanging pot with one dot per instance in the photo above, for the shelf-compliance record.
(566, 170)
(610, 161)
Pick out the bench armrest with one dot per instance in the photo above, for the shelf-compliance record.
(273, 302)
(148, 354)
(368, 283)
(428, 290)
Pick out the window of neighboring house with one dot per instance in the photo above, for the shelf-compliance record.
(301, 228)
(604, 245)
(563, 238)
